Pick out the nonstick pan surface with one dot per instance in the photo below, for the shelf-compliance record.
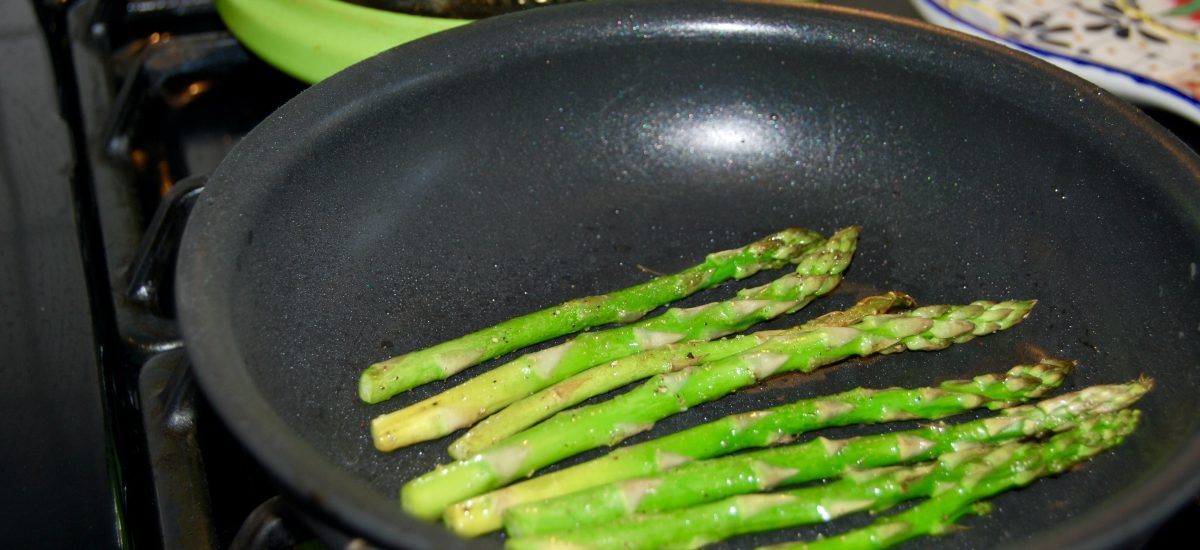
(512, 164)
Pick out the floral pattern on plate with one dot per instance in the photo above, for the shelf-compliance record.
(1145, 50)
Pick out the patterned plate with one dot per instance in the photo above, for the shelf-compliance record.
(1147, 51)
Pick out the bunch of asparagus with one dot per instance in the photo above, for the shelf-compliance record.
(686, 489)
(952, 481)
(388, 378)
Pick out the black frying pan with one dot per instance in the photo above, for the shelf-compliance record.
(520, 161)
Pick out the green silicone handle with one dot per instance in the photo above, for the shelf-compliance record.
(313, 39)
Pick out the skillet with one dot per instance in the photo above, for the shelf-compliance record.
(523, 160)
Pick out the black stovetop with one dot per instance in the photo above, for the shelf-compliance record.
(110, 110)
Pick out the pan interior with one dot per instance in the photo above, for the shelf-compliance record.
(441, 188)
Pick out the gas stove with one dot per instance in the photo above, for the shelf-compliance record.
(121, 109)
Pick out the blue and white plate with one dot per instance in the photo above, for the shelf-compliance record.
(1147, 51)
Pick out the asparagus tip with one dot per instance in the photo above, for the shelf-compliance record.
(904, 300)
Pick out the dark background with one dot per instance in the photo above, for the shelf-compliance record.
(59, 477)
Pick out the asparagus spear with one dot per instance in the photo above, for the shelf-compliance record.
(595, 381)
(706, 480)
(958, 495)
(572, 432)
(385, 379)
(857, 490)
(817, 273)
(697, 526)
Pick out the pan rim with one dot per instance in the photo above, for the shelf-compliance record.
(354, 505)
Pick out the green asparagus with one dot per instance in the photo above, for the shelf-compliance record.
(388, 378)
(707, 480)
(708, 523)
(595, 381)
(817, 273)
(929, 327)
(857, 490)
(958, 495)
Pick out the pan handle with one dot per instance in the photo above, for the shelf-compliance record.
(152, 275)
